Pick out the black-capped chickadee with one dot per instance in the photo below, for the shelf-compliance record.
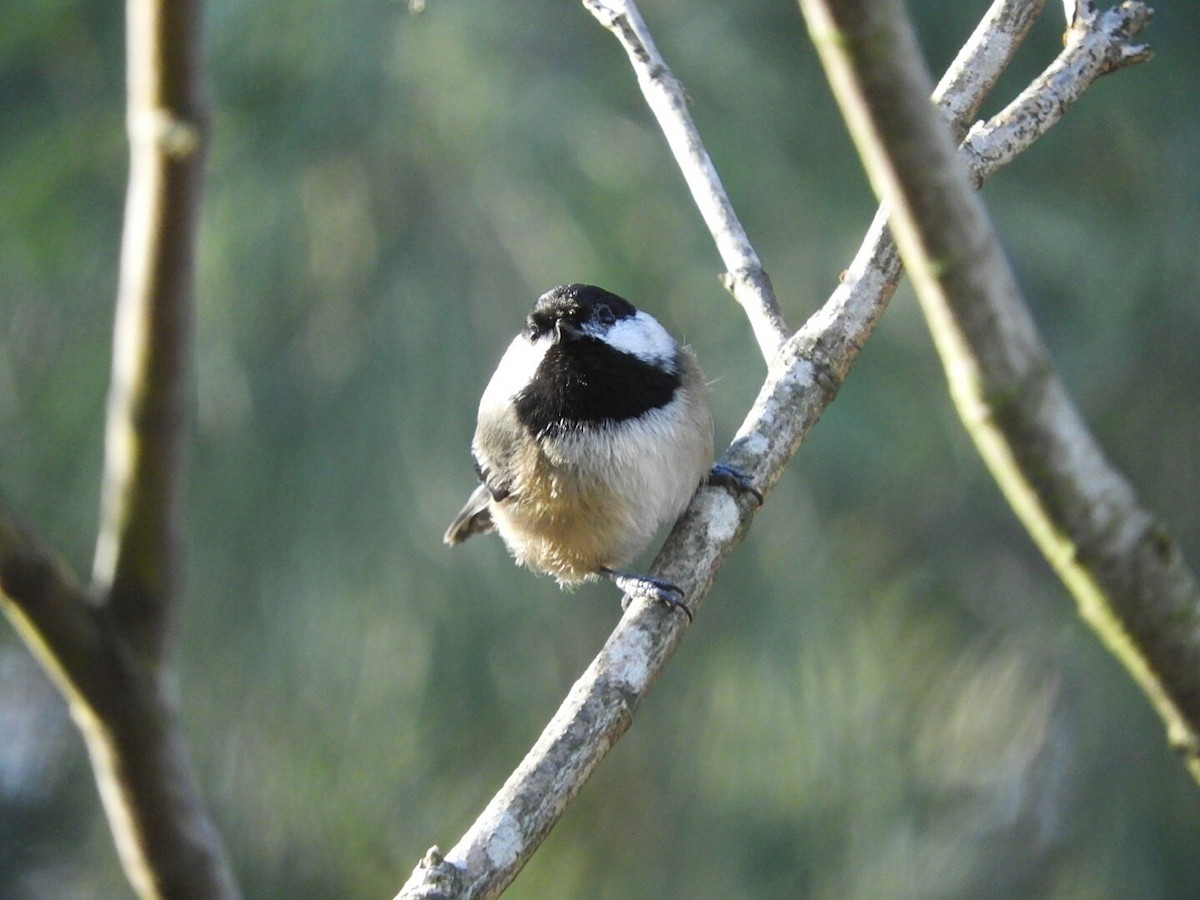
(594, 430)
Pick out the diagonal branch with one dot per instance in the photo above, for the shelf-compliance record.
(983, 58)
(49, 608)
(1126, 572)
(1095, 46)
(802, 380)
(744, 277)
(125, 712)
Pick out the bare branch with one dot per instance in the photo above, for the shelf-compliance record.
(127, 718)
(49, 608)
(1078, 12)
(106, 648)
(744, 277)
(803, 378)
(871, 278)
(596, 712)
(1103, 46)
(1124, 569)
(983, 58)
(139, 548)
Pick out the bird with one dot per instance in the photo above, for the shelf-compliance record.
(595, 429)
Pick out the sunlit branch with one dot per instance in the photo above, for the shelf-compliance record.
(744, 276)
(1126, 572)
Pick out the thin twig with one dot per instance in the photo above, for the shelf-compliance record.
(744, 276)
(869, 281)
(1095, 46)
(802, 380)
(872, 276)
(973, 73)
(1126, 572)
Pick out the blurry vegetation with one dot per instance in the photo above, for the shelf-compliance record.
(888, 694)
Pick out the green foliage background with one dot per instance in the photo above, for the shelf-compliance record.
(887, 694)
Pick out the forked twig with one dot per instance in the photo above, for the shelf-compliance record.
(1126, 572)
(804, 374)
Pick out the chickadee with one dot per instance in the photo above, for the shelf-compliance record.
(594, 430)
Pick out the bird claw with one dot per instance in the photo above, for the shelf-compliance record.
(726, 476)
(660, 590)
(648, 587)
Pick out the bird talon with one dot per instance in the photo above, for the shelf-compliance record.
(650, 588)
(726, 476)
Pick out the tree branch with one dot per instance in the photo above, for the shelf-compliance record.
(1124, 569)
(107, 647)
(126, 715)
(803, 378)
(48, 606)
(983, 58)
(1094, 46)
(744, 276)
(139, 548)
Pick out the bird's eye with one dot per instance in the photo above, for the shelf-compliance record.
(604, 315)
(531, 330)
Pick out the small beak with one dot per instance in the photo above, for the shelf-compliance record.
(565, 332)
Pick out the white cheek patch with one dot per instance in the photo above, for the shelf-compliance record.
(514, 372)
(643, 337)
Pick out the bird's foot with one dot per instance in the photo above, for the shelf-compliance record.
(648, 587)
(727, 476)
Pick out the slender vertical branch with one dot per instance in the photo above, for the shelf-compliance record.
(165, 841)
(139, 548)
(1126, 572)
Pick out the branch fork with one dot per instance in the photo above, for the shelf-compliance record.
(804, 372)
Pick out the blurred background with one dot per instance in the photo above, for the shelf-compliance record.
(886, 695)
